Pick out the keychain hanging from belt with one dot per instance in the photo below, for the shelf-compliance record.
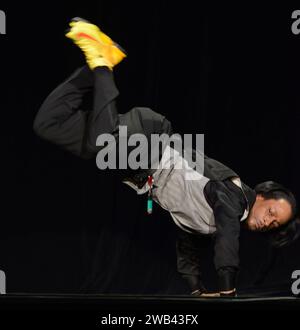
(150, 199)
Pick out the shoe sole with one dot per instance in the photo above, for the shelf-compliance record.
(84, 35)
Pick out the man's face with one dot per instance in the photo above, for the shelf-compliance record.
(268, 214)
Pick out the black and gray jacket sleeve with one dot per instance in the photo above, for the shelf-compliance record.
(228, 204)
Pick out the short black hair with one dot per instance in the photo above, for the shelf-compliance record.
(288, 233)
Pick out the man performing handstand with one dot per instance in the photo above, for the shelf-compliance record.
(216, 203)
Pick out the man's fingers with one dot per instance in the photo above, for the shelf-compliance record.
(210, 295)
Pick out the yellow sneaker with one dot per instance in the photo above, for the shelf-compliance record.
(98, 48)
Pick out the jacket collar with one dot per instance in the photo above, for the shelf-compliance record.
(250, 195)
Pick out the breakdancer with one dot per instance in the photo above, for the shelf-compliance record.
(216, 203)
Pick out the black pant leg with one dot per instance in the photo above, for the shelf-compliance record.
(61, 121)
(104, 117)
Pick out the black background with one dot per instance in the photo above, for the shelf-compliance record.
(228, 71)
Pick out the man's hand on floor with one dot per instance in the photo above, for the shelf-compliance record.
(230, 293)
(210, 295)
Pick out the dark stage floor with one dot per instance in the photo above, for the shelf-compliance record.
(96, 311)
(115, 302)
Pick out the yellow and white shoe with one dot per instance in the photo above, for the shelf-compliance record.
(98, 48)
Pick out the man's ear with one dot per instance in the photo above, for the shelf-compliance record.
(259, 197)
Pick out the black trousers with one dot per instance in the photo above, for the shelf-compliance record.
(61, 120)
